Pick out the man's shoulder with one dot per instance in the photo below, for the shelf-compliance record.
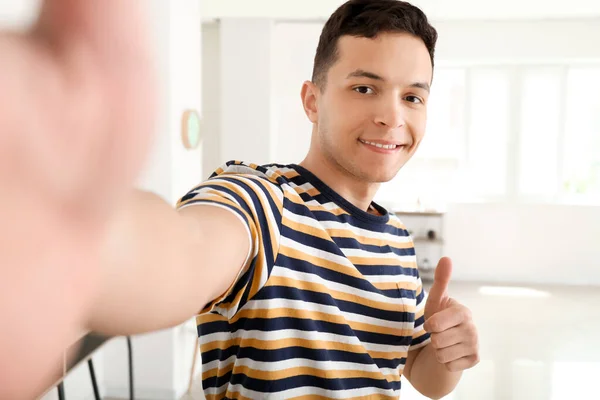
(276, 174)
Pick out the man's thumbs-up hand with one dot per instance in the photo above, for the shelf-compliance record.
(453, 333)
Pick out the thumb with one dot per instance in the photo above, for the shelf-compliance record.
(439, 290)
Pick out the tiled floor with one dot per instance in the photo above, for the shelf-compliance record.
(542, 343)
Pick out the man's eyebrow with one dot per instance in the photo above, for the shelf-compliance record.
(361, 73)
(421, 85)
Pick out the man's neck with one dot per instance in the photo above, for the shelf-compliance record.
(357, 192)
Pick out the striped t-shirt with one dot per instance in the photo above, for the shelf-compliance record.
(328, 303)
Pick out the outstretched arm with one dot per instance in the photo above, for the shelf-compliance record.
(163, 266)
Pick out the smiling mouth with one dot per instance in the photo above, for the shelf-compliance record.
(380, 145)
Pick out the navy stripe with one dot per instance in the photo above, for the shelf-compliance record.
(420, 339)
(367, 270)
(306, 325)
(284, 292)
(295, 264)
(279, 385)
(274, 386)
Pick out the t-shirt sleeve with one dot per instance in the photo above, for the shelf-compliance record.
(258, 203)
(420, 336)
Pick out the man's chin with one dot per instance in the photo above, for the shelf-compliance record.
(381, 177)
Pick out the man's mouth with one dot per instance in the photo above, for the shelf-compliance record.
(390, 146)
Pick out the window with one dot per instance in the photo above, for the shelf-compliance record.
(540, 127)
(488, 135)
(580, 176)
(445, 116)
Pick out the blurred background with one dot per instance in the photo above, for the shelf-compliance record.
(506, 182)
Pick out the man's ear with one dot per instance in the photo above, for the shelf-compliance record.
(309, 94)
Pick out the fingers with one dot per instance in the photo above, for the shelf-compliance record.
(448, 338)
(463, 363)
(447, 319)
(457, 348)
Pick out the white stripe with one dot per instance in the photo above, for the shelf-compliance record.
(329, 206)
(305, 187)
(219, 364)
(207, 193)
(305, 362)
(331, 310)
(284, 334)
(391, 279)
(217, 390)
(283, 170)
(352, 252)
(302, 220)
(314, 391)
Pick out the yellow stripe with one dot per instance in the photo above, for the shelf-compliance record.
(215, 396)
(296, 199)
(306, 229)
(345, 233)
(366, 261)
(397, 224)
(320, 262)
(368, 397)
(237, 396)
(290, 174)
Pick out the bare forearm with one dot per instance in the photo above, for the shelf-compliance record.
(431, 378)
(148, 276)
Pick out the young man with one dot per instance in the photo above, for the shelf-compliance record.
(311, 289)
(308, 289)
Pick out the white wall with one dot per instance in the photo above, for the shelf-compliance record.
(246, 110)
(211, 91)
(524, 243)
(520, 230)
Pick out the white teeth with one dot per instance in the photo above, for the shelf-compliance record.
(381, 146)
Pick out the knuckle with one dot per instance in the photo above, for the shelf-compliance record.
(440, 357)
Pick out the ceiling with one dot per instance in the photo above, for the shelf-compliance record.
(435, 9)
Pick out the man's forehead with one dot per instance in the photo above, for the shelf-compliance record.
(398, 54)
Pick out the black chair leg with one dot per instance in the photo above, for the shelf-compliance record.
(93, 377)
(130, 356)
(61, 391)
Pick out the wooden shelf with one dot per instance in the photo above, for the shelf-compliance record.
(427, 240)
(419, 213)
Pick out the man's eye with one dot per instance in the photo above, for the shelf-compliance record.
(363, 90)
(413, 99)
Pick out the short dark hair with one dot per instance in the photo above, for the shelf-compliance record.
(369, 18)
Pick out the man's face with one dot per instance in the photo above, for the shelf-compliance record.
(376, 95)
